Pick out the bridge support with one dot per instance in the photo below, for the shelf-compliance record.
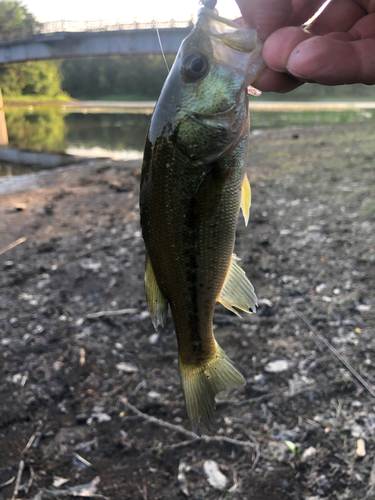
(3, 126)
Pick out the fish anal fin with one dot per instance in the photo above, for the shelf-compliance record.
(157, 303)
(237, 290)
(246, 198)
(202, 382)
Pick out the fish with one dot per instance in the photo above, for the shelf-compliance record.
(193, 183)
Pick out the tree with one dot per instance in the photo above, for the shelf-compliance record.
(14, 16)
(33, 77)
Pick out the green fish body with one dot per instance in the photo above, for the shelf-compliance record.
(193, 175)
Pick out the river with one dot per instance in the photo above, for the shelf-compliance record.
(109, 130)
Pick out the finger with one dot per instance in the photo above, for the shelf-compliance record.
(273, 81)
(265, 15)
(338, 16)
(329, 61)
(303, 10)
(278, 46)
(364, 28)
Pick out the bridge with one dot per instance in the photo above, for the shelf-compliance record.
(67, 39)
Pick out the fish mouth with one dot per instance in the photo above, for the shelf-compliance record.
(221, 117)
(234, 121)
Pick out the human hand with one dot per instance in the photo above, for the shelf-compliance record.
(337, 49)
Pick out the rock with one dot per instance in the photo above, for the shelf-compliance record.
(281, 365)
(181, 478)
(153, 338)
(126, 367)
(90, 265)
(154, 397)
(363, 307)
(59, 481)
(360, 452)
(308, 454)
(214, 476)
(20, 207)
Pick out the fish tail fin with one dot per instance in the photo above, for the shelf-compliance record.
(201, 382)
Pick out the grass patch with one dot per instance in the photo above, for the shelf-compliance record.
(37, 98)
(124, 97)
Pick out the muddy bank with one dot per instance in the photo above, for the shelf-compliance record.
(69, 370)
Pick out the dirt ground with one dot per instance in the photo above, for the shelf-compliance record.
(72, 380)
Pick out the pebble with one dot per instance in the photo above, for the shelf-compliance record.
(154, 397)
(153, 338)
(214, 476)
(363, 307)
(281, 365)
(308, 454)
(126, 367)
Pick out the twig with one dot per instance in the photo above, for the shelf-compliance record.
(232, 402)
(257, 451)
(31, 480)
(18, 480)
(183, 443)
(30, 442)
(334, 351)
(12, 245)
(182, 430)
(7, 483)
(81, 459)
(117, 312)
(89, 252)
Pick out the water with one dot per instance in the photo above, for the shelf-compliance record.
(122, 136)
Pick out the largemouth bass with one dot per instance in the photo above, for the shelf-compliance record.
(192, 186)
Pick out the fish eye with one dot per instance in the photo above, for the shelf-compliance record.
(193, 67)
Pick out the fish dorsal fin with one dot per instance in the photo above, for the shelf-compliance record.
(157, 303)
(237, 290)
(246, 198)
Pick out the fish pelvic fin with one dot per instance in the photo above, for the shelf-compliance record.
(237, 290)
(201, 382)
(157, 303)
(246, 198)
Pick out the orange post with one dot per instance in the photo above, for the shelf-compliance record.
(3, 126)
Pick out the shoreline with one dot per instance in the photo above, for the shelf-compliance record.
(148, 106)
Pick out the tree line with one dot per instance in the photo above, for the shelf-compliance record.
(116, 77)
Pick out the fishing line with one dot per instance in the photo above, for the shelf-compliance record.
(334, 351)
(161, 48)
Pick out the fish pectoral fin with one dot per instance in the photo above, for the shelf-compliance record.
(209, 192)
(246, 198)
(157, 303)
(237, 290)
(201, 382)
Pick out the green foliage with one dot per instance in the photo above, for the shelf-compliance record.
(293, 447)
(33, 77)
(315, 92)
(14, 16)
(38, 77)
(16, 99)
(40, 132)
(137, 75)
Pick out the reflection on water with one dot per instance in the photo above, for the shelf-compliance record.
(119, 136)
(44, 131)
(122, 136)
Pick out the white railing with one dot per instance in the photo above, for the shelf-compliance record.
(88, 26)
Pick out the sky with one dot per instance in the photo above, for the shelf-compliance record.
(126, 10)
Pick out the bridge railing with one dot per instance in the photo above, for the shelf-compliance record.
(88, 26)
